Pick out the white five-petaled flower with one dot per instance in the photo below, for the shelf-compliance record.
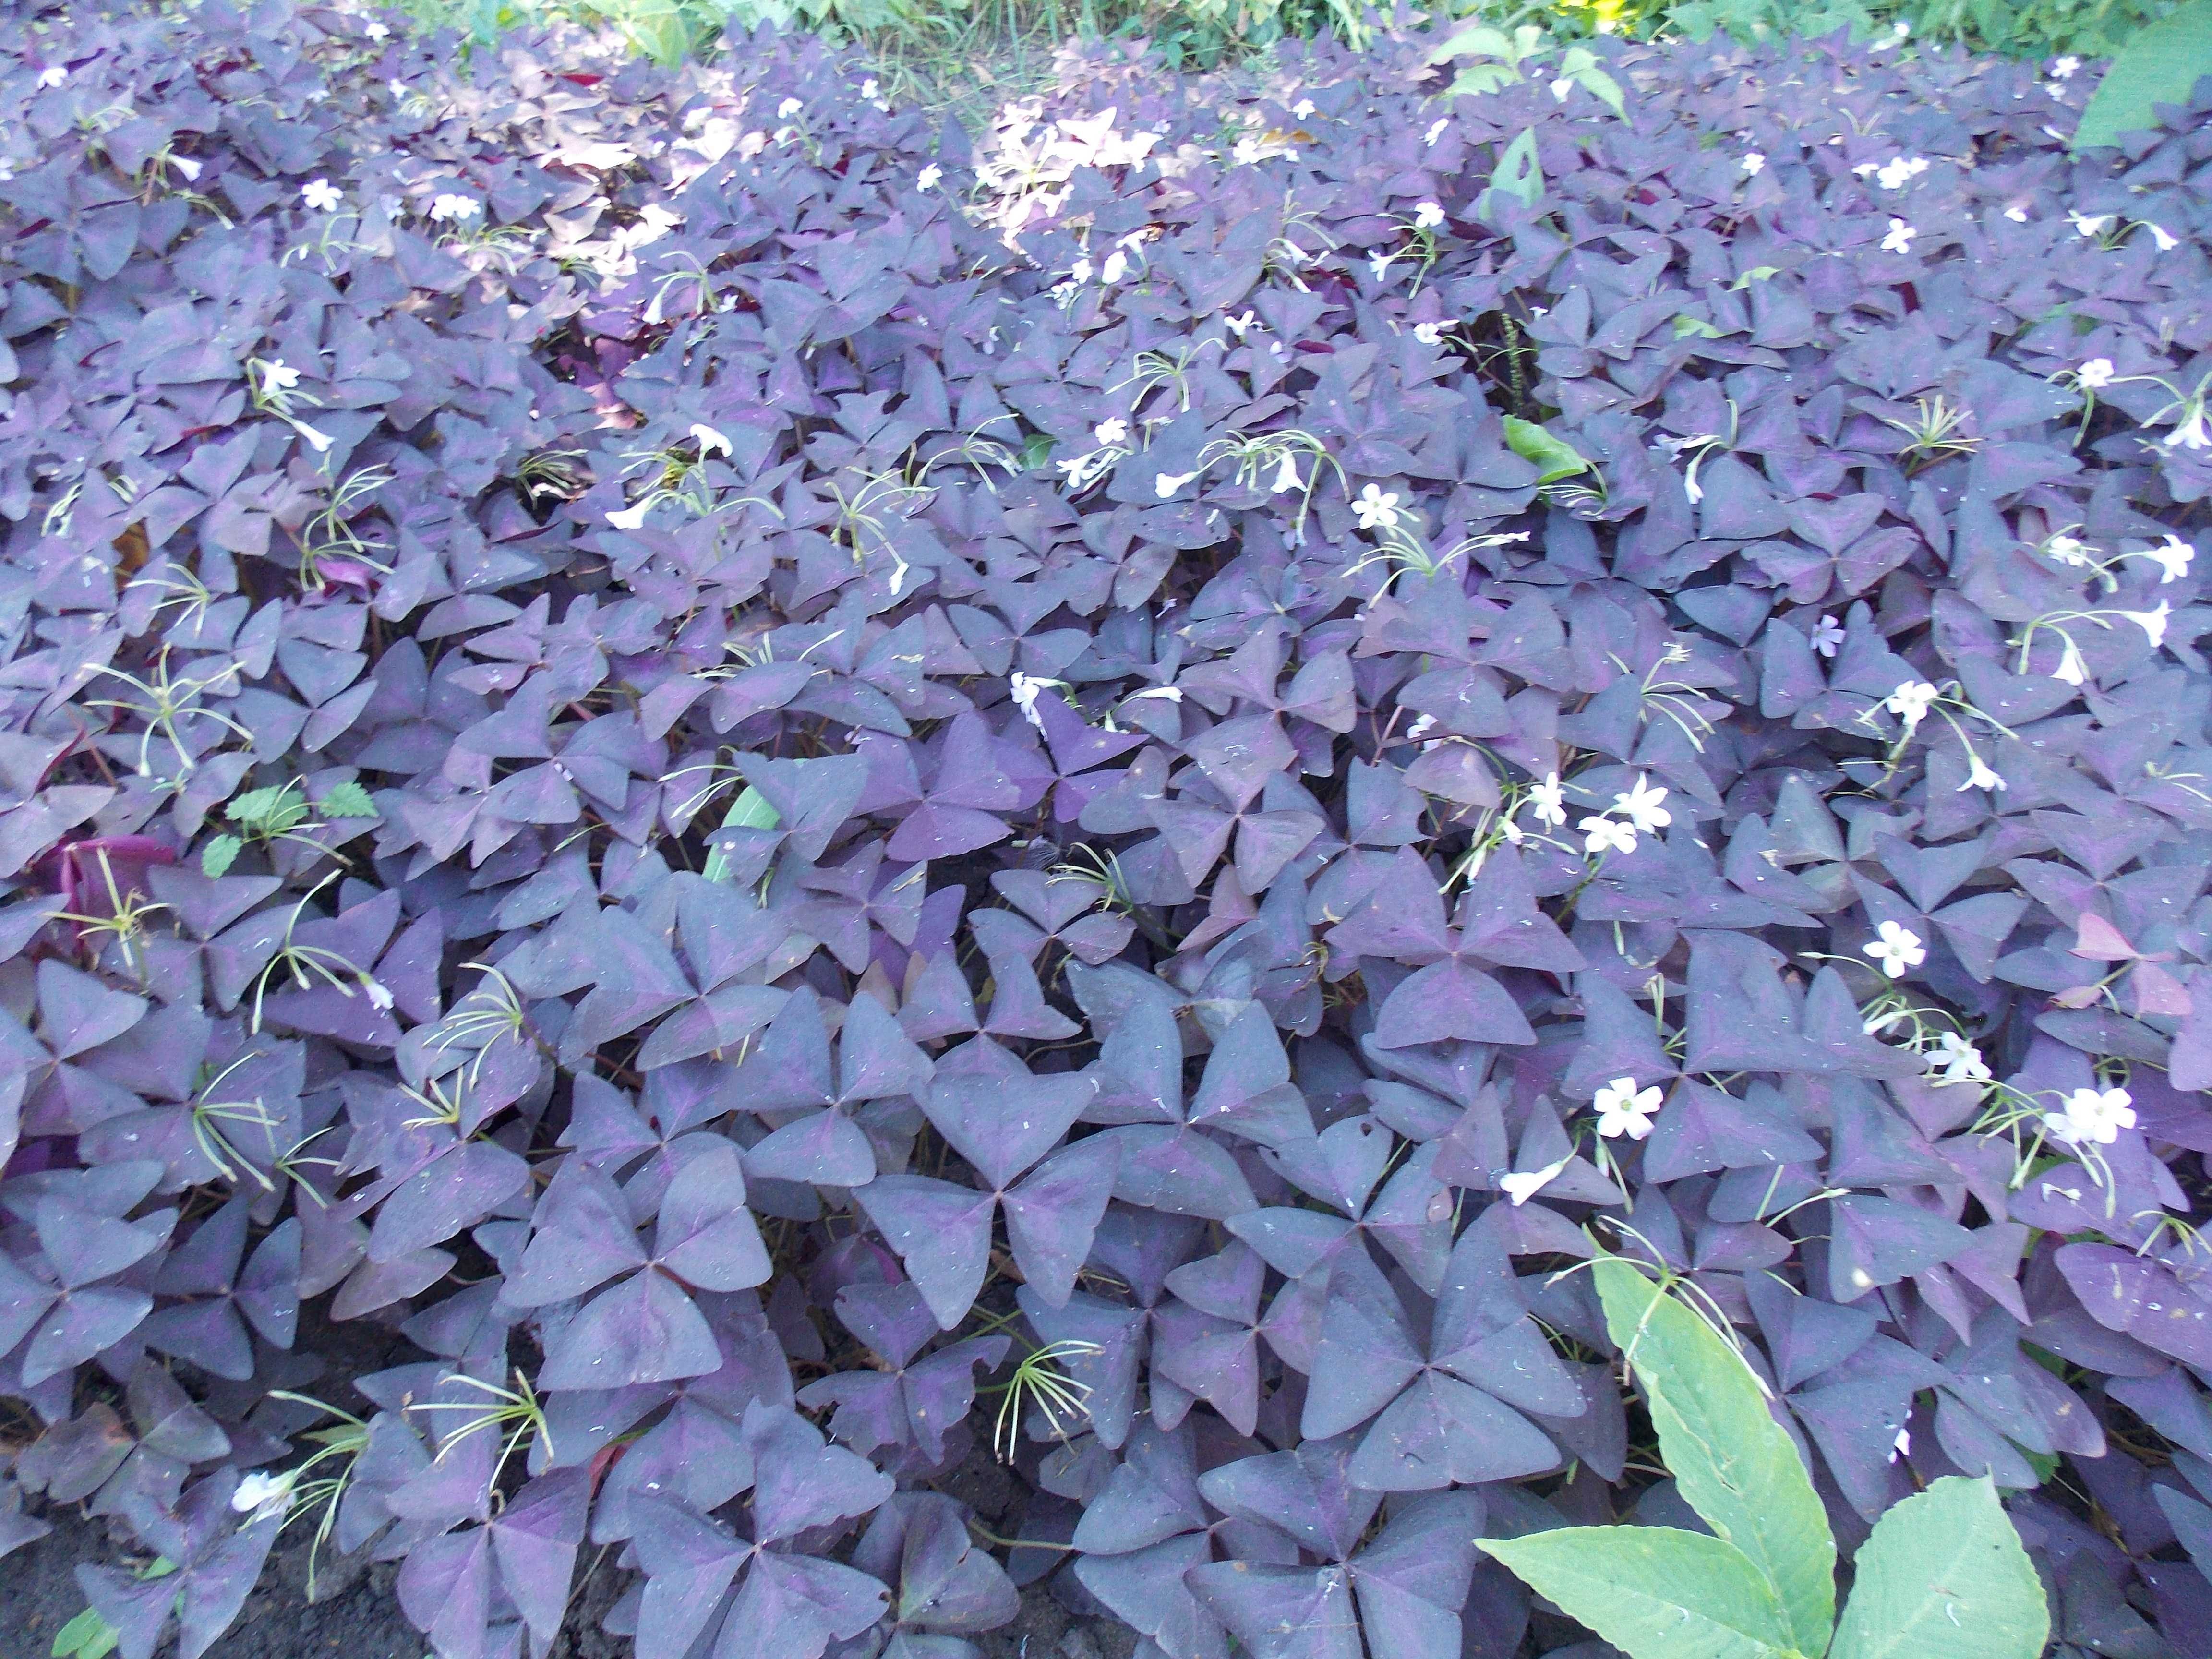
(1897, 948)
(788, 107)
(1286, 475)
(1111, 433)
(929, 176)
(1642, 808)
(1429, 333)
(2172, 559)
(2095, 375)
(1956, 1060)
(321, 195)
(1602, 834)
(449, 207)
(1900, 239)
(1436, 129)
(1827, 637)
(2153, 623)
(1375, 509)
(278, 375)
(1115, 268)
(1168, 483)
(1428, 216)
(1910, 702)
(259, 1489)
(52, 76)
(2092, 1114)
(1754, 164)
(1623, 1110)
(1979, 775)
(2064, 67)
(1547, 801)
(1524, 1185)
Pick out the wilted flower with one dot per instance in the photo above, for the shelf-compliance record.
(1380, 264)
(2091, 224)
(2073, 667)
(1753, 163)
(1623, 1110)
(449, 207)
(1376, 509)
(2173, 558)
(1980, 775)
(1025, 688)
(378, 993)
(1602, 834)
(1910, 702)
(1428, 216)
(1546, 802)
(258, 1490)
(927, 179)
(321, 195)
(1641, 805)
(1168, 483)
(1521, 1187)
(1827, 637)
(1900, 239)
(2091, 1116)
(1115, 268)
(1111, 433)
(1896, 948)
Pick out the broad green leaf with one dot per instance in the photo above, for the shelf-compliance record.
(347, 800)
(1519, 175)
(219, 854)
(1944, 1576)
(1555, 456)
(1580, 66)
(272, 810)
(1654, 1592)
(88, 1635)
(1756, 274)
(2159, 65)
(751, 810)
(1477, 79)
(1483, 41)
(1686, 325)
(1732, 1461)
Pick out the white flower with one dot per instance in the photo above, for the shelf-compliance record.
(1115, 268)
(2095, 375)
(1025, 689)
(2073, 667)
(1111, 433)
(1376, 509)
(2153, 623)
(1562, 87)
(929, 176)
(1754, 164)
(1545, 801)
(2091, 224)
(259, 1489)
(321, 195)
(1827, 637)
(1522, 1187)
(1166, 693)
(1893, 173)
(788, 107)
(1641, 803)
(1900, 239)
(2166, 240)
(1622, 1109)
(2017, 213)
(869, 89)
(2092, 1114)
(1902, 1446)
(1420, 728)
(1236, 325)
(1602, 834)
(1303, 109)
(1079, 271)
(379, 994)
(278, 375)
(1168, 483)
(317, 441)
(1287, 476)
(1910, 701)
(2068, 550)
(709, 441)
(1429, 333)
(1897, 949)
(631, 518)
(52, 76)
(1380, 264)
(185, 165)
(2172, 559)
(1978, 775)
(1428, 216)
(1436, 129)
(2191, 434)
(2063, 68)
(455, 207)
(1956, 1060)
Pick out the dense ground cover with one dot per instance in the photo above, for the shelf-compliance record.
(822, 802)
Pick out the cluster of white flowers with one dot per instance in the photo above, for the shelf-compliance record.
(1642, 811)
(2091, 1116)
(449, 207)
(1894, 173)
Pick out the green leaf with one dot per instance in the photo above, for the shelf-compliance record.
(1654, 1592)
(1519, 175)
(1734, 1464)
(1555, 456)
(347, 800)
(1944, 1576)
(2159, 65)
(271, 811)
(1483, 41)
(751, 810)
(1686, 325)
(1580, 66)
(88, 1635)
(1756, 274)
(219, 854)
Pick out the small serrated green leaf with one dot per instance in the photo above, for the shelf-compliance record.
(269, 811)
(1653, 1592)
(347, 800)
(1555, 456)
(219, 854)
